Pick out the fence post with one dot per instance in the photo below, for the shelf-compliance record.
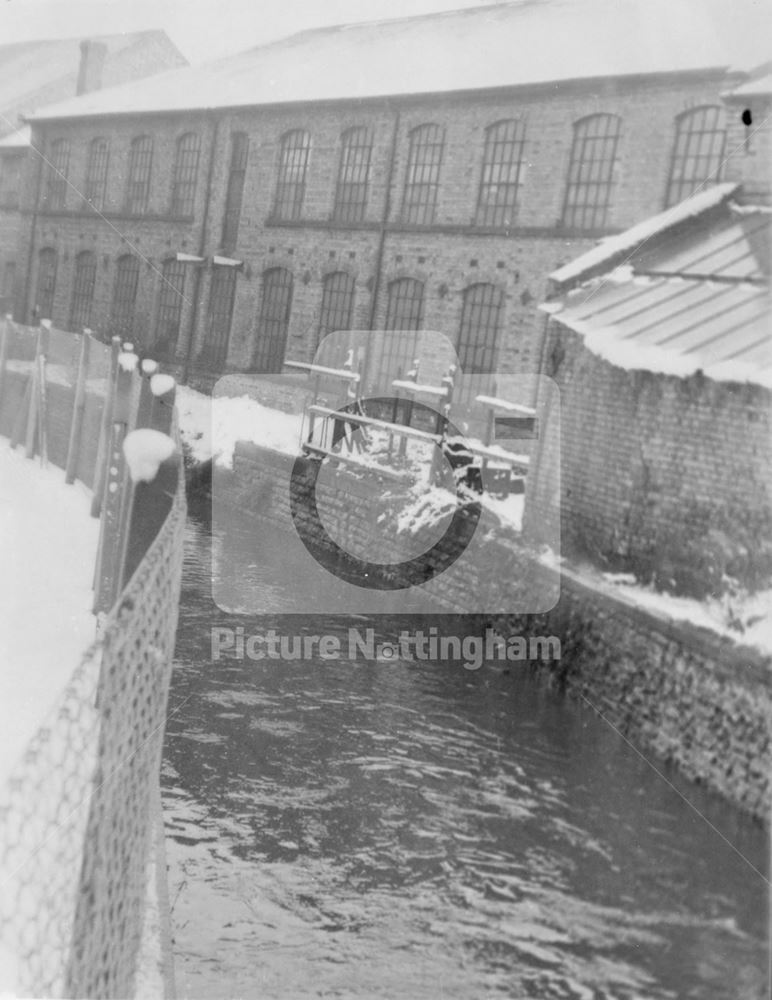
(76, 426)
(33, 403)
(6, 325)
(100, 466)
(151, 501)
(113, 519)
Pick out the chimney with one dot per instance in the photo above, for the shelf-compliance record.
(92, 61)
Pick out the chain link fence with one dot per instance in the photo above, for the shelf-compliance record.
(76, 812)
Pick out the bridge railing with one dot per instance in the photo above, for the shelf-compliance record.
(77, 812)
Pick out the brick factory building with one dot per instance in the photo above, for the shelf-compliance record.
(34, 74)
(420, 172)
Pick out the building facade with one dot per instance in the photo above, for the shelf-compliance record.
(232, 238)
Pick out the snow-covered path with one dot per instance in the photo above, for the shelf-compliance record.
(48, 544)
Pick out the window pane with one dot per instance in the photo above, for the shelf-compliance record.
(404, 318)
(221, 296)
(337, 303)
(419, 205)
(273, 320)
(83, 291)
(124, 297)
(170, 299)
(138, 189)
(46, 284)
(185, 174)
(10, 180)
(293, 165)
(96, 173)
(57, 169)
(502, 157)
(591, 172)
(698, 152)
(351, 192)
(233, 197)
(479, 334)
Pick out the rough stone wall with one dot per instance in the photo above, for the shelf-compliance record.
(668, 477)
(683, 695)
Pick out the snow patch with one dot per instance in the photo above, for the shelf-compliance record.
(161, 384)
(127, 361)
(149, 367)
(146, 450)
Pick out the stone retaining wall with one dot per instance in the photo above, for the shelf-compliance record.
(681, 693)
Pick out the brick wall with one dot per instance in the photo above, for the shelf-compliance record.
(668, 477)
(447, 256)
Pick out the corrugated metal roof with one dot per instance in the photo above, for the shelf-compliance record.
(503, 45)
(697, 303)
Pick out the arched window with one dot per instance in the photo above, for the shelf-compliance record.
(698, 152)
(337, 303)
(10, 179)
(83, 291)
(273, 320)
(56, 174)
(293, 166)
(422, 179)
(478, 339)
(170, 299)
(138, 185)
(222, 294)
(46, 283)
(353, 175)
(591, 172)
(96, 173)
(500, 178)
(234, 194)
(404, 318)
(185, 174)
(124, 296)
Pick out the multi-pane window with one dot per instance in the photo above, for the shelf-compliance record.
(170, 299)
(10, 180)
(501, 169)
(293, 166)
(124, 296)
(422, 179)
(591, 172)
(221, 297)
(185, 174)
(273, 320)
(83, 290)
(236, 175)
(404, 318)
(46, 283)
(337, 303)
(480, 325)
(96, 173)
(138, 186)
(353, 175)
(698, 152)
(57, 168)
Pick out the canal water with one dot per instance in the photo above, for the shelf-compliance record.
(416, 830)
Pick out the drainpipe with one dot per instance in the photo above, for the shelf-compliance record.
(26, 307)
(192, 325)
(382, 237)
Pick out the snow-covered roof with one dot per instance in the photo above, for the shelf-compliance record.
(692, 299)
(41, 71)
(20, 139)
(609, 251)
(519, 43)
(762, 87)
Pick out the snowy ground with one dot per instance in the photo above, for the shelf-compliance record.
(48, 546)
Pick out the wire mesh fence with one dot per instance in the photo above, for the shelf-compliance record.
(76, 811)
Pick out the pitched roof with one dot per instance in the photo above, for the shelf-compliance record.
(686, 300)
(521, 42)
(40, 72)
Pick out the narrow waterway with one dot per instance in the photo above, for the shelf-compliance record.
(415, 830)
